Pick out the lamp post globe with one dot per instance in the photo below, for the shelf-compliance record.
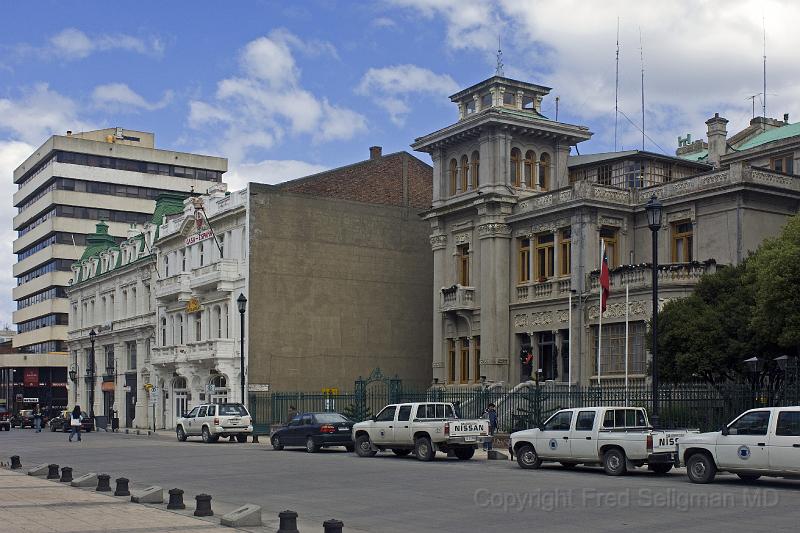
(241, 303)
(654, 211)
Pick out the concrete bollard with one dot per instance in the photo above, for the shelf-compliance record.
(103, 483)
(15, 462)
(66, 475)
(176, 499)
(245, 516)
(52, 471)
(122, 487)
(333, 526)
(86, 480)
(203, 506)
(154, 494)
(288, 522)
(38, 470)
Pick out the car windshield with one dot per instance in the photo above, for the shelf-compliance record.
(330, 418)
(232, 409)
(25, 412)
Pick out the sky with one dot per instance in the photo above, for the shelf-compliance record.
(286, 89)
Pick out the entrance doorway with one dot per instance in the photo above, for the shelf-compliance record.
(218, 389)
(130, 399)
(548, 356)
(181, 395)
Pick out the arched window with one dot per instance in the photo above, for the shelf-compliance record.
(225, 320)
(198, 326)
(217, 322)
(179, 383)
(219, 389)
(453, 176)
(544, 172)
(180, 329)
(530, 166)
(516, 158)
(163, 331)
(166, 266)
(464, 173)
(475, 169)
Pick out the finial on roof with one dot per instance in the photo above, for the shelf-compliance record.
(499, 69)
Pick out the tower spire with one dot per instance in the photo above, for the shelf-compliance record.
(499, 68)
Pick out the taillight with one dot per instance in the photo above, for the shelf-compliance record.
(649, 443)
(327, 428)
(216, 421)
(447, 428)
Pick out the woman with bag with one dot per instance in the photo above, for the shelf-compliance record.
(75, 423)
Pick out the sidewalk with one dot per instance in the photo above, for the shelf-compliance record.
(36, 505)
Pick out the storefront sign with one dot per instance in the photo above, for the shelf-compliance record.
(107, 386)
(31, 377)
(30, 400)
(193, 306)
(197, 237)
(258, 387)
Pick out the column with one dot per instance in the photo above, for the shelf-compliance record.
(494, 297)
(142, 410)
(438, 242)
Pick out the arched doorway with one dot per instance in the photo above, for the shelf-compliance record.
(180, 394)
(218, 389)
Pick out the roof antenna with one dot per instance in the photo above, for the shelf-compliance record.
(641, 57)
(499, 68)
(764, 100)
(616, 92)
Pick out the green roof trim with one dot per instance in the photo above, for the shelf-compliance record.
(98, 242)
(784, 132)
(167, 203)
(701, 155)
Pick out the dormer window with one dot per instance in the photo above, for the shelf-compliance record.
(469, 108)
(527, 103)
(508, 99)
(486, 100)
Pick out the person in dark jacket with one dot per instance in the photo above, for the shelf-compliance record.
(491, 415)
(526, 360)
(75, 423)
(37, 418)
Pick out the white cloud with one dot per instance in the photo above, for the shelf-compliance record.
(39, 113)
(121, 98)
(12, 154)
(269, 171)
(700, 58)
(383, 22)
(72, 43)
(389, 87)
(266, 102)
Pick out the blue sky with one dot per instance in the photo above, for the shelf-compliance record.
(284, 89)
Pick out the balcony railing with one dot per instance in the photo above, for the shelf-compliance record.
(671, 274)
(220, 274)
(194, 351)
(458, 298)
(174, 288)
(550, 288)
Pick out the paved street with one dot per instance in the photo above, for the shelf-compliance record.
(388, 494)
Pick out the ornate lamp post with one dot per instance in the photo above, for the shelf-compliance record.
(654, 212)
(92, 335)
(241, 301)
(754, 366)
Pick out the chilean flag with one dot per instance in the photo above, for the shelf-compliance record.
(605, 285)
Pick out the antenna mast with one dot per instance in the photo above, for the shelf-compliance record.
(616, 91)
(499, 68)
(641, 57)
(764, 101)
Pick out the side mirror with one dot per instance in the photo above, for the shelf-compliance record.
(374, 418)
(726, 431)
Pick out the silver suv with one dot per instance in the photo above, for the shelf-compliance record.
(212, 421)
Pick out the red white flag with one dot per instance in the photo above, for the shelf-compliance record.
(605, 285)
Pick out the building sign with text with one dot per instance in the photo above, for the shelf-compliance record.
(31, 377)
(197, 237)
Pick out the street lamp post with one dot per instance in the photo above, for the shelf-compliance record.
(654, 211)
(92, 335)
(241, 301)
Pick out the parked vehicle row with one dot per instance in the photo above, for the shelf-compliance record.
(62, 422)
(5, 418)
(315, 431)
(211, 421)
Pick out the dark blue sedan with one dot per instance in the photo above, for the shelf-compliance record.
(315, 431)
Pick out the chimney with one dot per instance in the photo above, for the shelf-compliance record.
(717, 139)
(375, 152)
(786, 117)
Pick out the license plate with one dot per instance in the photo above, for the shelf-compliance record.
(470, 439)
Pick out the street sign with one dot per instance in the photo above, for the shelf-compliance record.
(331, 390)
(211, 387)
(30, 400)
(154, 396)
(258, 387)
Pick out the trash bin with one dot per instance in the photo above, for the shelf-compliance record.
(115, 423)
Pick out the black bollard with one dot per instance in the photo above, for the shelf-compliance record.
(332, 526)
(288, 523)
(52, 472)
(203, 507)
(15, 463)
(66, 475)
(176, 499)
(103, 483)
(122, 487)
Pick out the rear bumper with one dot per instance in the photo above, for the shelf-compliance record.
(467, 441)
(231, 430)
(661, 458)
(334, 439)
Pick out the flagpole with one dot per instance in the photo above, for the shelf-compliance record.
(569, 353)
(626, 344)
(600, 324)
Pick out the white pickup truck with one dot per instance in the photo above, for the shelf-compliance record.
(760, 442)
(619, 438)
(423, 428)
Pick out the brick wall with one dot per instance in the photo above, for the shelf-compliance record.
(398, 179)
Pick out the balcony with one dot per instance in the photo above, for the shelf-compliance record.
(214, 349)
(547, 289)
(669, 275)
(221, 275)
(174, 288)
(458, 298)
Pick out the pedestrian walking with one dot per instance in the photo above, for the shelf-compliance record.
(292, 413)
(526, 360)
(37, 418)
(491, 415)
(75, 423)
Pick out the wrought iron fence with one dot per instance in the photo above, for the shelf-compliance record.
(700, 406)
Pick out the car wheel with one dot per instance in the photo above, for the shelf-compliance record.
(241, 438)
(701, 468)
(464, 454)
(52, 428)
(527, 457)
(661, 468)
(207, 438)
(181, 434)
(400, 453)
(424, 449)
(614, 462)
(569, 466)
(276, 443)
(749, 477)
(364, 446)
(311, 446)
(350, 448)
